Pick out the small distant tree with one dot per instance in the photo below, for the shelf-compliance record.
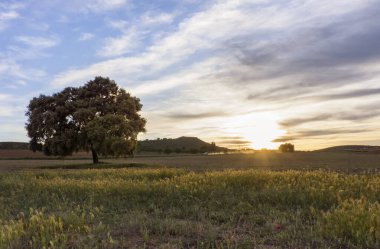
(287, 147)
(99, 117)
(212, 147)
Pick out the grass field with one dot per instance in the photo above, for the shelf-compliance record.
(141, 206)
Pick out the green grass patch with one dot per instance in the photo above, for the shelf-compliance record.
(141, 207)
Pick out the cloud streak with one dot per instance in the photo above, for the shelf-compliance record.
(117, 46)
(186, 116)
(38, 42)
(86, 37)
(8, 12)
(317, 133)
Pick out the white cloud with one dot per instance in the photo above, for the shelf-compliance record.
(11, 108)
(132, 33)
(5, 97)
(204, 30)
(104, 5)
(10, 68)
(38, 42)
(118, 24)
(5, 111)
(6, 17)
(8, 12)
(86, 36)
(209, 30)
(29, 48)
(155, 19)
(198, 74)
(9, 15)
(12, 6)
(116, 46)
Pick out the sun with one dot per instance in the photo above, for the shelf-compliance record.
(262, 134)
(259, 130)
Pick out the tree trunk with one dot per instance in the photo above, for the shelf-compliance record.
(95, 158)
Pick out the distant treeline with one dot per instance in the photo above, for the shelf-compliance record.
(14, 146)
(164, 145)
(178, 145)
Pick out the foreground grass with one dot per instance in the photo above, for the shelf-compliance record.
(173, 208)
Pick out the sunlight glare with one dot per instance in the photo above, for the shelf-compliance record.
(259, 129)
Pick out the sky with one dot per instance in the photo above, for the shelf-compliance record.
(241, 73)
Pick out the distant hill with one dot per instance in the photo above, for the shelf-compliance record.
(181, 144)
(14, 146)
(353, 148)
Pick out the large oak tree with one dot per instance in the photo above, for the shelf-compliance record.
(99, 117)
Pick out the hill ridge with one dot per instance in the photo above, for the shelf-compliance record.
(180, 144)
(352, 148)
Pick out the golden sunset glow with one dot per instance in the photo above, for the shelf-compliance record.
(258, 130)
(262, 134)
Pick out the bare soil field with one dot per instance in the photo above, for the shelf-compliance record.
(350, 162)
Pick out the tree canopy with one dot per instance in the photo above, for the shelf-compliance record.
(99, 117)
(286, 147)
